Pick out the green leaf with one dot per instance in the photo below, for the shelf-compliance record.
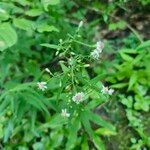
(126, 57)
(8, 131)
(34, 12)
(73, 129)
(119, 85)
(84, 145)
(144, 45)
(56, 121)
(3, 14)
(93, 103)
(98, 143)
(24, 24)
(64, 68)
(8, 36)
(118, 25)
(98, 120)
(133, 80)
(86, 123)
(46, 28)
(105, 132)
(50, 45)
(46, 3)
(129, 51)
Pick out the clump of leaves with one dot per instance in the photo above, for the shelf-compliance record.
(132, 80)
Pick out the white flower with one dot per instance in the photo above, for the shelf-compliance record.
(110, 91)
(99, 46)
(78, 97)
(64, 113)
(105, 90)
(95, 54)
(80, 24)
(42, 86)
(47, 70)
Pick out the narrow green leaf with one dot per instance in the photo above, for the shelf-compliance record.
(64, 68)
(133, 80)
(126, 57)
(86, 123)
(98, 120)
(98, 143)
(144, 45)
(50, 45)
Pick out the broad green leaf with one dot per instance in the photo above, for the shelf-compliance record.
(24, 24)
(34, 12)
(50, 45)
(8, 36)
(3, 15)
(46, 28)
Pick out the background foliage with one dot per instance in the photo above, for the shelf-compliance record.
(35, 35)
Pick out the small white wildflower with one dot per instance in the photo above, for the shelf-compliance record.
(78, 97)
(64, 113)
(110, 91)
(80, 24)
(105, 90)
(99, 46)
(47, 70)
(95, 54)
(42, 86)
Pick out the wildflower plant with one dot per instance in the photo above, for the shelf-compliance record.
(57, 102)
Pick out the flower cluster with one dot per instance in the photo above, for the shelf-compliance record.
(96, 53)
(42, 86)
(105, 90)
(78, 97)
